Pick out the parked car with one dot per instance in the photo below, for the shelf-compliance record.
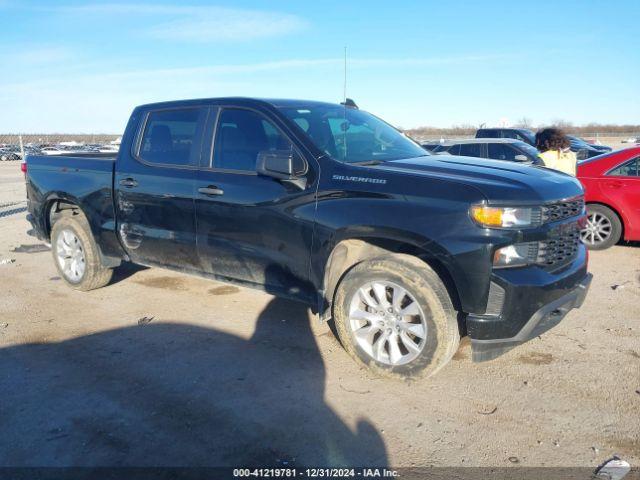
(10, 153)
(601, 148)
(612, 192)
(583, 150)
(522, 134)
(329, 205)
(52, 151)
(492, 148)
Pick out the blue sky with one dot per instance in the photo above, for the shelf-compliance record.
(82, 66)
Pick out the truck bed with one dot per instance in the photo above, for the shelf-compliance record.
(92, 161)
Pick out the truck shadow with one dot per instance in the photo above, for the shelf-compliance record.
(124, 271)
(170, 394)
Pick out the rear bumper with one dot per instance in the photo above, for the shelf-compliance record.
(545, 318)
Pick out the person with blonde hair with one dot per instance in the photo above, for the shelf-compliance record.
(553, 145)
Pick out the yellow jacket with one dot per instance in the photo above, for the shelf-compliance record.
(565, 161)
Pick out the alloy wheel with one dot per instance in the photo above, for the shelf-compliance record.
(387, 323)
(70, 255)
(598, 229)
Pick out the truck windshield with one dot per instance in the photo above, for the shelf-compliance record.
(352, 136)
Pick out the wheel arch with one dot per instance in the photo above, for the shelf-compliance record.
(349, 252)
(55, 207)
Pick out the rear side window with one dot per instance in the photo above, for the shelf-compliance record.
(241, 135)
(629, 169)
(470, 150)
(172, 137)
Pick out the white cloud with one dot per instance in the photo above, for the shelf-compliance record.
(197, 23)
(100, 99)
(300, 64)
(224, 24)
(35, 55)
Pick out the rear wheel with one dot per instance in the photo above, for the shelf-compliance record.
(75, 253)
(603, 228)
(395, 316)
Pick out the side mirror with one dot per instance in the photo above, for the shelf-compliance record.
(280, 164)
(521, 158)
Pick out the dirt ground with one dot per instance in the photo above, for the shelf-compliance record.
(160, 368)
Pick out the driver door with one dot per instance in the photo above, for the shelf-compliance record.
(252, 228)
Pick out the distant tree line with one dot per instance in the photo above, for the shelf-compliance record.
(589, 128)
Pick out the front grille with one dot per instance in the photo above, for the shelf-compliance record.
(555, 211)
(559, 250)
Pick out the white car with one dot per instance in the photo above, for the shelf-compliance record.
(52, 151)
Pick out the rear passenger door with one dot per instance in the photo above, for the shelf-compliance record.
(154, 184)
(253, 228)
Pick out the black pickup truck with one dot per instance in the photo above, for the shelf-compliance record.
(326, 204)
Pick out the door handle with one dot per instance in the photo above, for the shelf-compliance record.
(128, 182)
(211, 190)
(614, 184)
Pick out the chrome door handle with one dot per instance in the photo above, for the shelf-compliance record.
(211, 190)
(128, 182)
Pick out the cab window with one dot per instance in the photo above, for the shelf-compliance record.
(172, 137)
(241, 135)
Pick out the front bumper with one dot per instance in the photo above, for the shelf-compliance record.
(545, 318)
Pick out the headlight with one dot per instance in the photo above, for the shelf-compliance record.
(505, 217)
(512, 256)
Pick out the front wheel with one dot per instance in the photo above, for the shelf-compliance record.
(395, 316)
(603, 228)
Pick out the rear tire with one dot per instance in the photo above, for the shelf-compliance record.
(412, 332)
(75, 253)
(604, 228)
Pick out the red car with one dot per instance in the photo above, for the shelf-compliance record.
(612, 192)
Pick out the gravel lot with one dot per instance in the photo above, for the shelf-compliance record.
(160, 368)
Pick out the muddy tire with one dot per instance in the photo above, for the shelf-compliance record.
(75, 253)
(394, 315)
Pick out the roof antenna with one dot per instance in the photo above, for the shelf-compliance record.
(347, 102)
(344, 96)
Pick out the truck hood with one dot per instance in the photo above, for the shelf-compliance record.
(499, 181)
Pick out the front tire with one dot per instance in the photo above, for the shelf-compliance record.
(603, 229)
(76, 255)
(394, 315)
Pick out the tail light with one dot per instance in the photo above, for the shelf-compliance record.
(23, 168)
